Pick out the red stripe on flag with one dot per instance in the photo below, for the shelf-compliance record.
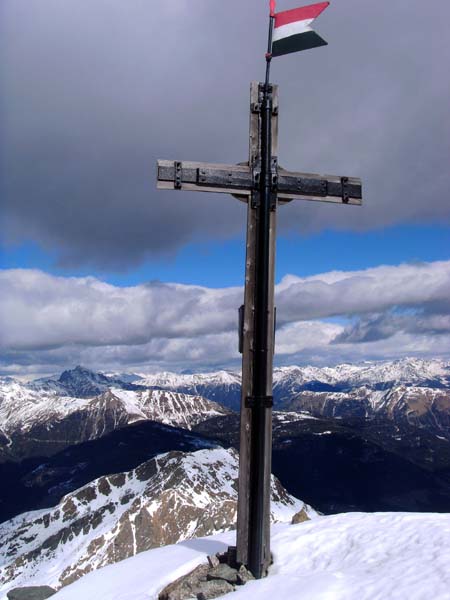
(299, 14)
(272, 8)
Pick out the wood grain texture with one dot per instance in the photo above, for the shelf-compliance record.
(245, 466)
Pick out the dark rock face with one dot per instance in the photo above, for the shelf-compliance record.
(31, 593)
(83, 383)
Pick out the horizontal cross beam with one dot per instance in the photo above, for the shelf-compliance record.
(240, 180)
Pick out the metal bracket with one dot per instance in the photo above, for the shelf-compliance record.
(256, 183)
(255, 199)
(178, 174)
(345, 190)
(255, 107)
(241, 328)
(273, 183)
(259, 401)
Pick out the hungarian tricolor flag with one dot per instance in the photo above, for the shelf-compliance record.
(292, 31)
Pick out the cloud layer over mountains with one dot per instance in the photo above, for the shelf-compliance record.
(92, 95)
(375, 313)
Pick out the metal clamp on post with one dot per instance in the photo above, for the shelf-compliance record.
(256, 183)
(178, 174)
(241, 328)
(262, 401)
(273, 183)
(255, 107)
(345, 190)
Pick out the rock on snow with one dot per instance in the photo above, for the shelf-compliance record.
(352, 556)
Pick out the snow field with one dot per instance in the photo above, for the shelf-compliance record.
(352, 556)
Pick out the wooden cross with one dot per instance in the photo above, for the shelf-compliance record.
(251, 182)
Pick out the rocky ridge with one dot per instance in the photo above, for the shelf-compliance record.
(172, 497)
(424, 407)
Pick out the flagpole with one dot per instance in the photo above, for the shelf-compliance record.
(269, 50)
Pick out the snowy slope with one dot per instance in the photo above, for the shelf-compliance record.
(353, 556)
(173, 497)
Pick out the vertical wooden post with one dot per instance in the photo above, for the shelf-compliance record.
(245, 466)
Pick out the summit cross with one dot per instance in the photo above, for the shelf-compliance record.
(263, 185)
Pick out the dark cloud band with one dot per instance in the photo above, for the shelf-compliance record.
(89, 102)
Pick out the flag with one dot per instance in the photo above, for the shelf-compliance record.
(292, 31)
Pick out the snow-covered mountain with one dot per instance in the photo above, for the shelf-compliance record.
(413, 391)
(41, 418)
(354, 556)
(220, 386)
(172, 497)
(84, 383)
(375, 375)
(419, 406)
(44, 415)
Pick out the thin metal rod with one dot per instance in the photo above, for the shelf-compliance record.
(269, 50)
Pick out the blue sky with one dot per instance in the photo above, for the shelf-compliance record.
(221, 264)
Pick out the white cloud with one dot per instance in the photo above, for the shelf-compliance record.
(370, 290)
(385, 311)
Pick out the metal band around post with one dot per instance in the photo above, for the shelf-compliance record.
(261, 401)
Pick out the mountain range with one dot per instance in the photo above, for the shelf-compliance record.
(96, 467)
(224, 386)
(43, 417)
(398, 413)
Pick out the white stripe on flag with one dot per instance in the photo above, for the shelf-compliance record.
(292, 29)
